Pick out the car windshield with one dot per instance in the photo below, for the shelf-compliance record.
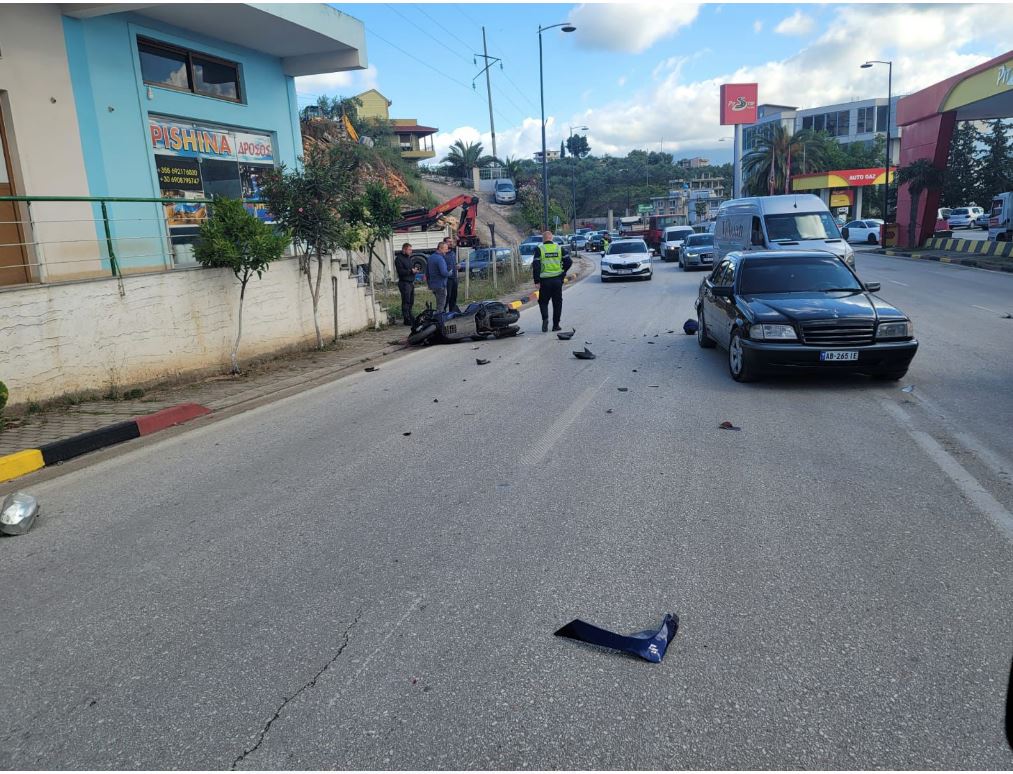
(627, 247)
(672, 236)
(793, 227)
(700, 240)
(504, 187)
(959, 211)
(795, 275)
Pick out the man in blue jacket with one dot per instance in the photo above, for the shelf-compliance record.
(437, 274)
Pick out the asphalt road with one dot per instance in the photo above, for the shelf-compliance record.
(305, 586)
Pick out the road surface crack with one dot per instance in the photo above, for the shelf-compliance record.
(286, 699)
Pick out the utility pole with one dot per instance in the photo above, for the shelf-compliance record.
(489, 61)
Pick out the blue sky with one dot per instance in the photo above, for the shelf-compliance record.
(646, 75)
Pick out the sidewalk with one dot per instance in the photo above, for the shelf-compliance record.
(977, 261)
(260, 379)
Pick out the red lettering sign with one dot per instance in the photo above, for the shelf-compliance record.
(738, 103)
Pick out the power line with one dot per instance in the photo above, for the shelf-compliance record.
(426, 32)
(420, 61)
(441, 26)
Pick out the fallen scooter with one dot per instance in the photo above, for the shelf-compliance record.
(478, 321)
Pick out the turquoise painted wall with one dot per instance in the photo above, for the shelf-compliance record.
(113, 106)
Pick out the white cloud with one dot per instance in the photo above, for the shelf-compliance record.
(622, 80)
(343, 84)
(757, 26)
(796, 24)
(629, 27)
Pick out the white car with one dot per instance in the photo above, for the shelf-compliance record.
(963, 217)
(627, 259)
(671, 241)
(504, 192)
(864, 231)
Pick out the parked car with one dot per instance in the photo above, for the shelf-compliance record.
(863, 231)
(504, 192)
(962, 217)
(697, 251)
(786, 222)
(479, 260)
(527, 253)
(627, 259)
(783, 310)
(672, 238)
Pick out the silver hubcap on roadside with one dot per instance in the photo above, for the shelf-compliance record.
(735, 355)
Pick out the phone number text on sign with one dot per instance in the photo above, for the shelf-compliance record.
(179, 176)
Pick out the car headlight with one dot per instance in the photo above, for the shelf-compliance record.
(895, 330)
(772, 332)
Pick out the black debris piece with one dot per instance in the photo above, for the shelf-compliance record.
(726, 425)
(566, 335)
(585, 355)
(436, 400)
(623, 389)
(1007, 316)
(669, 331)
(371, 369)
(480, 361)
(649, 645)
(405, 433)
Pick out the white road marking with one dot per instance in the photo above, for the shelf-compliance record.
(976, 306)
(563, 421)
(895, 282)
(968, 485)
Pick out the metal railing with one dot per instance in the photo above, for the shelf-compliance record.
(58, 241)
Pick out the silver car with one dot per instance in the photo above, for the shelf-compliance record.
(697, 252)
(962, 217)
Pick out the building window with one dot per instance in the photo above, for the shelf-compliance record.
(844, 123)
(881, 118)
(866, 120)
(183, 70)
(807, 122)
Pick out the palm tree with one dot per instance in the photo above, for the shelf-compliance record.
(512, 167)
(462, 158)
(777, 155)
(920, 175)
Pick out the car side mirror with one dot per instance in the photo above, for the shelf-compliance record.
(722, 291)
(873, 287)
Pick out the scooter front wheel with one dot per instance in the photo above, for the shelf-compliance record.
(422, 334)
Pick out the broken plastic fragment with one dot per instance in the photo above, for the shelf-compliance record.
(910, 388)
(650, 644)
(623, 389)
(480, 361)
(408, 433)
(566, 335)
(585, 355)
(726, 425)
(371, 369)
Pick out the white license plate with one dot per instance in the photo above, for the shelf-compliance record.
(624, 271)
(839, 355)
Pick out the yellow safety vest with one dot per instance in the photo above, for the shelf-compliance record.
(552, 260)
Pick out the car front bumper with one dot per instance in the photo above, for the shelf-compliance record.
(885, 357)
(692, 259)
(610, 272)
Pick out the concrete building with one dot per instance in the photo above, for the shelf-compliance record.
(411, 138)
(694, 163)
(552, 155)
(847, 122)
(181, 101)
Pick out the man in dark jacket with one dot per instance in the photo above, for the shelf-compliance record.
(406, 282)
(549, 268)
(437, 274)
(452, 279)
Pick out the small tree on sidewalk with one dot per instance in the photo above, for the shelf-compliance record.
(312, 204)
(235, 239)
(375, 211)
(920, 175)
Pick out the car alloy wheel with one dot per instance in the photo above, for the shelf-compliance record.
(737, 361)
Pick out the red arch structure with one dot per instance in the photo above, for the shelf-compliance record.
(929, 117)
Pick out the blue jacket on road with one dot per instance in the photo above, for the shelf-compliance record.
(436, 270)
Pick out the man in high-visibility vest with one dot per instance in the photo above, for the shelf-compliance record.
(549, 268)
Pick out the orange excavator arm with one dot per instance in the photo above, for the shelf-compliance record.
(423, 219)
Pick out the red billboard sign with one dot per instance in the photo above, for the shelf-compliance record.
(738, 103)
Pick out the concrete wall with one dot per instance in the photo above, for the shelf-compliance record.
(39, 108)
(64, 338)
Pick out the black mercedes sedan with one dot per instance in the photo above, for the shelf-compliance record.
(783, 311)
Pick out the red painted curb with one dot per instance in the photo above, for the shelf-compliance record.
(174, 415)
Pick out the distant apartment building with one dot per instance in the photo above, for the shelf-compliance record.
(552, 155)
(694, 163)
(414, 140)
(847, 122)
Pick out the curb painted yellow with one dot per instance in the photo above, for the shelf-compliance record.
(20, 463)
(945, 259)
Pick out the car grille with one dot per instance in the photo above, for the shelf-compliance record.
(625, 265)
(837, 333)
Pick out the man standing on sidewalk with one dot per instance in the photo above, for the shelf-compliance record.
(549, 268)
(452, 279)
(437, 274)
(406, 282)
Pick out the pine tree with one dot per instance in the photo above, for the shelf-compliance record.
(995, 173)
(962, 167)
(562, 149)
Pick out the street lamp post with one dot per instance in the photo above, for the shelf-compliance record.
(567, 27)
(889, 106)
(573, 177)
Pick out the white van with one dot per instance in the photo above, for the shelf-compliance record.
(671, 241)
(1000, 218)
(788, 222)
